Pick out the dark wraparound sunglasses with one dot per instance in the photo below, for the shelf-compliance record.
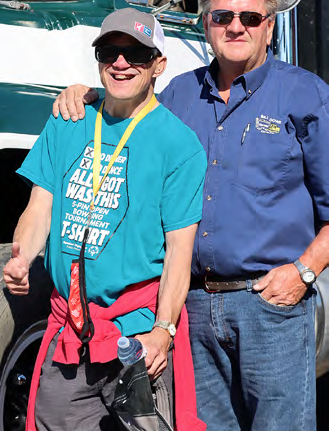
(137, 55)
(248, 19)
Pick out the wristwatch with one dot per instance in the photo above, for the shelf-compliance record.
(306, 274)
(168, 326)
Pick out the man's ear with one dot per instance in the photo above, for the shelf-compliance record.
(270, 28)
(205, 25)
(160, 66)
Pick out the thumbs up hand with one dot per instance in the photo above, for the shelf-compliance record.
(16, 272)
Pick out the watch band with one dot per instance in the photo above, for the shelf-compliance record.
(168, 326)
(298, 264)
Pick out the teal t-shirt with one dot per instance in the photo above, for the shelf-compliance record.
(154, 186)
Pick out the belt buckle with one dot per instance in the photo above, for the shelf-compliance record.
(207, 288)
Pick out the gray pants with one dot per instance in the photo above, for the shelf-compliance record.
(78, 397)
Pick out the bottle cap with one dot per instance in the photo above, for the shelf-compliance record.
(123, 343)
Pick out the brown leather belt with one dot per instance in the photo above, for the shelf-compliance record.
(214, 284)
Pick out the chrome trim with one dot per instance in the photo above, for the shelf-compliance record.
(286, 37)
(178, 19)
(164, 7)
(287, 5)
(15, 4)
(138, 2)
(319, 322)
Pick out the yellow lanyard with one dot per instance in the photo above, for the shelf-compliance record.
(98, 143)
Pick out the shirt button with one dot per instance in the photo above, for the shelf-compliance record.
(208, 268)
(214, 162)
(205, 234)
(220, 128)
(209, 198)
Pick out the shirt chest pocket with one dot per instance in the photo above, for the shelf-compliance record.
(263, 159)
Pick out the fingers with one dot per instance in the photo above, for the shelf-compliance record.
(267, 295)
(264, 282)
(65, 104)
(16, 272)
(56, 107)
(269, 288)
(155, 364)
(91, 96)
(70, 103)
(282, 286)
(74, 108)
(17, 280)
(19, 287)
(157, 344)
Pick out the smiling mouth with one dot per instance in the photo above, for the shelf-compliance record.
(122, 77)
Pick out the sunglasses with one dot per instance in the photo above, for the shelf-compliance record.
(136, 55)
(247, 19)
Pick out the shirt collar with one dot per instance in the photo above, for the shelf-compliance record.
(251, 80)
(255, 78)
(211, 75)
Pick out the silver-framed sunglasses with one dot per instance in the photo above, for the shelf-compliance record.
(247, 19)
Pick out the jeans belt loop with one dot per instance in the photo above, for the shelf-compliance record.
(249, 284)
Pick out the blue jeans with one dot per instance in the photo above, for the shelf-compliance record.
(254, 362)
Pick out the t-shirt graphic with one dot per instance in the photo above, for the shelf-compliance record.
(154, 187)
(111, 202)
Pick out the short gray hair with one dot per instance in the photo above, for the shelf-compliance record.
(271, 6)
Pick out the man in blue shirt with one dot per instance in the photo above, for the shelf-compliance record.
(264, 235)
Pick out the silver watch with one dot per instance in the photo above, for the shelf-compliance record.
(168, 326)
(306, 274)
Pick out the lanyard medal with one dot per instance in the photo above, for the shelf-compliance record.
(78, 302)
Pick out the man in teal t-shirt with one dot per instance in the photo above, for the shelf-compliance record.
(140, 212)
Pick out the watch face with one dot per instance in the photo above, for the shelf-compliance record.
(172, 330)
(308, 277)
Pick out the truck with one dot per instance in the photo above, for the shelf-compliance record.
(46, 46)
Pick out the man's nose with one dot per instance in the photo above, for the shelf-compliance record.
(236, 26)
(120, 62)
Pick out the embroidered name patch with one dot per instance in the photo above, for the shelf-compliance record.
(268, 125)
(143, 29)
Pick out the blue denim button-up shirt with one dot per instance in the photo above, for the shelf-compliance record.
(267, 182)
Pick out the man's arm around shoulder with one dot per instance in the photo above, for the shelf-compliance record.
(29, 239)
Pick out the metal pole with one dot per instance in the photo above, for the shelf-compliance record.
(285, 44)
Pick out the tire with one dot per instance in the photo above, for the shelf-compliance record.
(22, 324)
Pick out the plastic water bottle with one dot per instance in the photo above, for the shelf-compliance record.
(130, 350)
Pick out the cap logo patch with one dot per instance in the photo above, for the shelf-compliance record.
(143, 29)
